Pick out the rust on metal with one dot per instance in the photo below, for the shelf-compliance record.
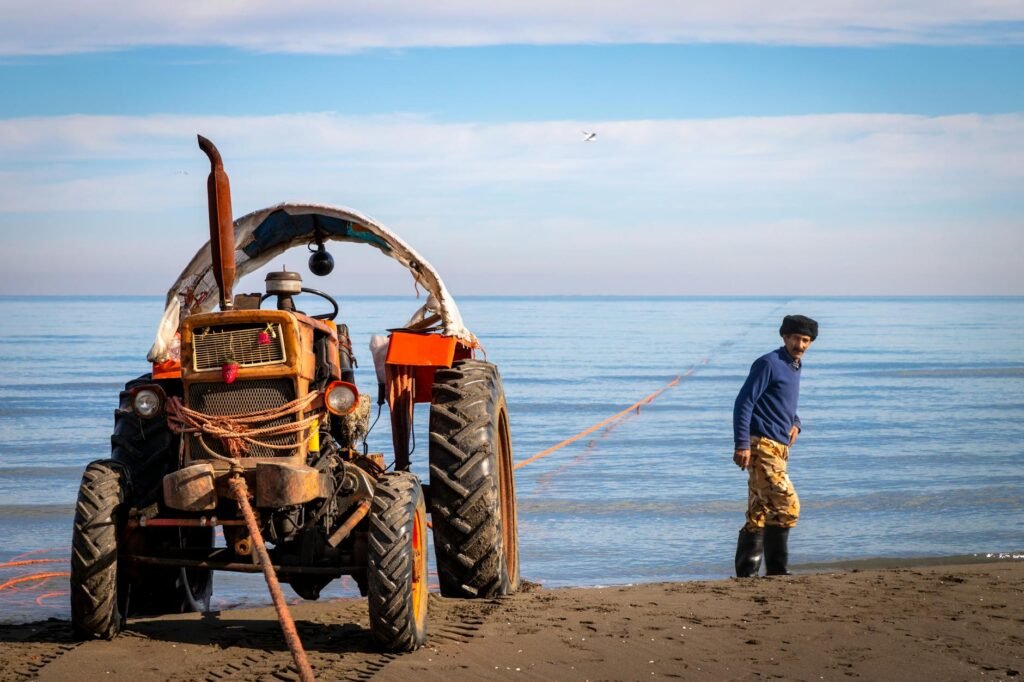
(191, 488)
(222, 226)
(283, 484)
(201, 522)
(507, 494)
(241, 567)
(291, 635)
(350, 523)
(242, 545)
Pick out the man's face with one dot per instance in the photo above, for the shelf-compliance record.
(796, 345)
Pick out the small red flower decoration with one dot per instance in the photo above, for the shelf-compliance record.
(229, 372)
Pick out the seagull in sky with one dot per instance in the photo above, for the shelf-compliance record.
(588, 137)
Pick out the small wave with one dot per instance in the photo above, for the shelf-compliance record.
(68, 385)
(990, 497)
(950, 372)
(41, 471)
(62, 412)
(25, 511)
(911, 561)
(614, 509)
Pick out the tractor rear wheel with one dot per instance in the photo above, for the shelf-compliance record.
(397, 563)
(472, 488)
(97, 594)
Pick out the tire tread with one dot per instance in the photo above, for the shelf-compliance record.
(465, 504)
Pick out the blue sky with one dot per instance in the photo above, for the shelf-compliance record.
(842, 148)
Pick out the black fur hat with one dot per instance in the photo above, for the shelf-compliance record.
(798, 324)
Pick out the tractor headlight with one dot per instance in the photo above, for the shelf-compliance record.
(148, 401)
(341, 397)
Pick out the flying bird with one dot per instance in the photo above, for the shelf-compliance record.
(588, 137)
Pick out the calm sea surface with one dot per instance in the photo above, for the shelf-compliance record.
(913, 413)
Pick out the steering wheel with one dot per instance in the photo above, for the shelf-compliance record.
(316, 292)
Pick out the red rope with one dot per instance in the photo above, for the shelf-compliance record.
(34, 576)
(47, 595)
(291, 635)
(604, 422)
(27, 562)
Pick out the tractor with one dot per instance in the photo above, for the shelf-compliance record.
(257, 392)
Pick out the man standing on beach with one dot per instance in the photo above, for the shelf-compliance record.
(765, 425)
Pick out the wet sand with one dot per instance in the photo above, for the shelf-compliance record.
(953, 621)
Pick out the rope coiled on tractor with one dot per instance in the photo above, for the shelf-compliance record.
(238, 433)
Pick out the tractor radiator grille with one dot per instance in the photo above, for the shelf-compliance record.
(211, 349)
(241, 397)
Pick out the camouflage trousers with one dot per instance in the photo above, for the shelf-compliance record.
(771, 498)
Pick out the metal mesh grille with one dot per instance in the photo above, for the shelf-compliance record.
(240, 397)
(211, 349)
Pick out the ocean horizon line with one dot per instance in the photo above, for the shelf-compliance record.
(577, 297)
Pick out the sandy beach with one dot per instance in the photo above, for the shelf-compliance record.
(931, 622)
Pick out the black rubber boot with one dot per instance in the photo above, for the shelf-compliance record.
(776, 550)
(749, 549)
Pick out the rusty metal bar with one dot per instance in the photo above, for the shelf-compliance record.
(343, 531)
(291, 635)
(222, 228)
(201, 522)
(239, 567)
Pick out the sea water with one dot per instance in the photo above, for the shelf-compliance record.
(913, 415)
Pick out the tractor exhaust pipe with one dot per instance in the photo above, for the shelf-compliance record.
(222, 228)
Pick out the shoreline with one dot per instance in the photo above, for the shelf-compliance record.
(950, 620)
(261, 599)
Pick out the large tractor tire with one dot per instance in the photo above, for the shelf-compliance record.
(397, 563)
(98, 595)
(149, 451)
(472, 489)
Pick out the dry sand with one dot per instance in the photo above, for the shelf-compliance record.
(946, 622)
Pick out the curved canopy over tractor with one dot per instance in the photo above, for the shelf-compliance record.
(265, 234)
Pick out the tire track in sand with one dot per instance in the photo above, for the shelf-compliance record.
(45, 643)
(337, 641)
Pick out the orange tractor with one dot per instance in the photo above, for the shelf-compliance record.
(257, 400)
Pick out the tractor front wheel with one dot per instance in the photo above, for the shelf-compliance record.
(472, 489)
(97, 595)
(397, 563)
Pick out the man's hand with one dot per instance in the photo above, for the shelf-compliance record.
(742, 458)
(794, 431)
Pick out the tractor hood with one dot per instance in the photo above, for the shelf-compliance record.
(263, 235)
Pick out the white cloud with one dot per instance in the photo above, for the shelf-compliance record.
(871, 203)
(898, 158)
(67, 26)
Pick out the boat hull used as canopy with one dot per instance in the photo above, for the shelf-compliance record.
(265, 234)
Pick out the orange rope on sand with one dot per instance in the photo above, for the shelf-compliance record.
(615, 417)
(34, 576)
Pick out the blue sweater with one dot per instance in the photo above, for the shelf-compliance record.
(766, 405)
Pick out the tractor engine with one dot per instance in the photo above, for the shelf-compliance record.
(263, 392)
